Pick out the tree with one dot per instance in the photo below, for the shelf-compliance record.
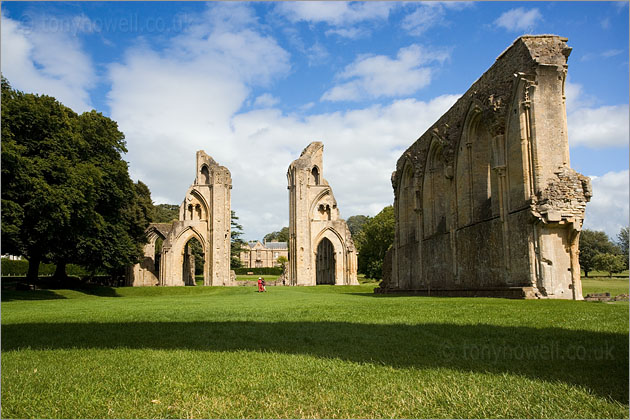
(65, 187)
(622, 243)
(593, 243)
(610, 263)
(356, 223)
(282, 260)
(166, 213)
(373, 242)
(236, 243)
(280, 236)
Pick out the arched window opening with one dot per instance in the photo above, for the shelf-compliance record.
(325, 263)
(193, 263)
(157, 256)
(198, 211)
(190, 212)
(474, 177)
(205, 175)
(435, 194)
(406, 205)
(315, 173)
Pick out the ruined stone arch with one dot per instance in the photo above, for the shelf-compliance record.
(332, 263)
(436, 191)
(203, 214)
(179, 258)
(312, 210)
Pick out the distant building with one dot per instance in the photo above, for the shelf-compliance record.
(256, 254)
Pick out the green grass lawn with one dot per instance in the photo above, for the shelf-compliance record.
(615, 286)
(304, 352)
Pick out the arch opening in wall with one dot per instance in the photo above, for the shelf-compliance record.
(205, 175)
(157, 255)
(192, 261)
(325, 262)
(406, 206)
(474, 175)
(436, 191)
(315, 175)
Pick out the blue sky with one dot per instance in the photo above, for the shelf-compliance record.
(254, 83)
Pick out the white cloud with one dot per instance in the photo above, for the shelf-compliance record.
(606, 126)
(608, 209)
(172, 103)
(518, 19)
(266, 100)
(47, 60)
(592, 126)
(334, 13)
(376, 76)
(424, 17)
(361, 148)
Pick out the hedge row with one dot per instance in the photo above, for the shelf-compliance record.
(259, 271)
(20, 268)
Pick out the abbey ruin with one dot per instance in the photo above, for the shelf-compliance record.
(321, 250)
(486, 203)
(204, 215)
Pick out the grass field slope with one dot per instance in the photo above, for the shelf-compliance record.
(308, 352)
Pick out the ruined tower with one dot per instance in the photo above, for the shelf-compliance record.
(486, 203)
(204, 215)
(321, 250)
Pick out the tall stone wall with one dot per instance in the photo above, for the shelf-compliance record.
(205, 215)
(485, 201)
(321, 250)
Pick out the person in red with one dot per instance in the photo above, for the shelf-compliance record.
(260, 282)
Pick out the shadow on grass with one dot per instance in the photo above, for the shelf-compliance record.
(597, 361)
(48, 294)
(11, 295)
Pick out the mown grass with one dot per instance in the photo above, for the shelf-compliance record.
(614, 286)
(308, 352)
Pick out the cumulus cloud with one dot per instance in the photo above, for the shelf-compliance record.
(592, 126)
(361, 148)
(518, 19)
(47, 59)
(606, 126)
(608, 209)
(179, 100)
(266, 100)
(376, 76)
(425, 16)
(334, 13)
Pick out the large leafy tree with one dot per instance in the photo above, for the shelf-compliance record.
(373, 242)
(592, 243)
(65, 187)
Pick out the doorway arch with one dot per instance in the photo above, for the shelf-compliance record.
(325, 262)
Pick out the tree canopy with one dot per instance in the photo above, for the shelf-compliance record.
(593, 242)
(373, 242)
(356, 223)
(281, 236)
(166, 213)
(66, 192)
